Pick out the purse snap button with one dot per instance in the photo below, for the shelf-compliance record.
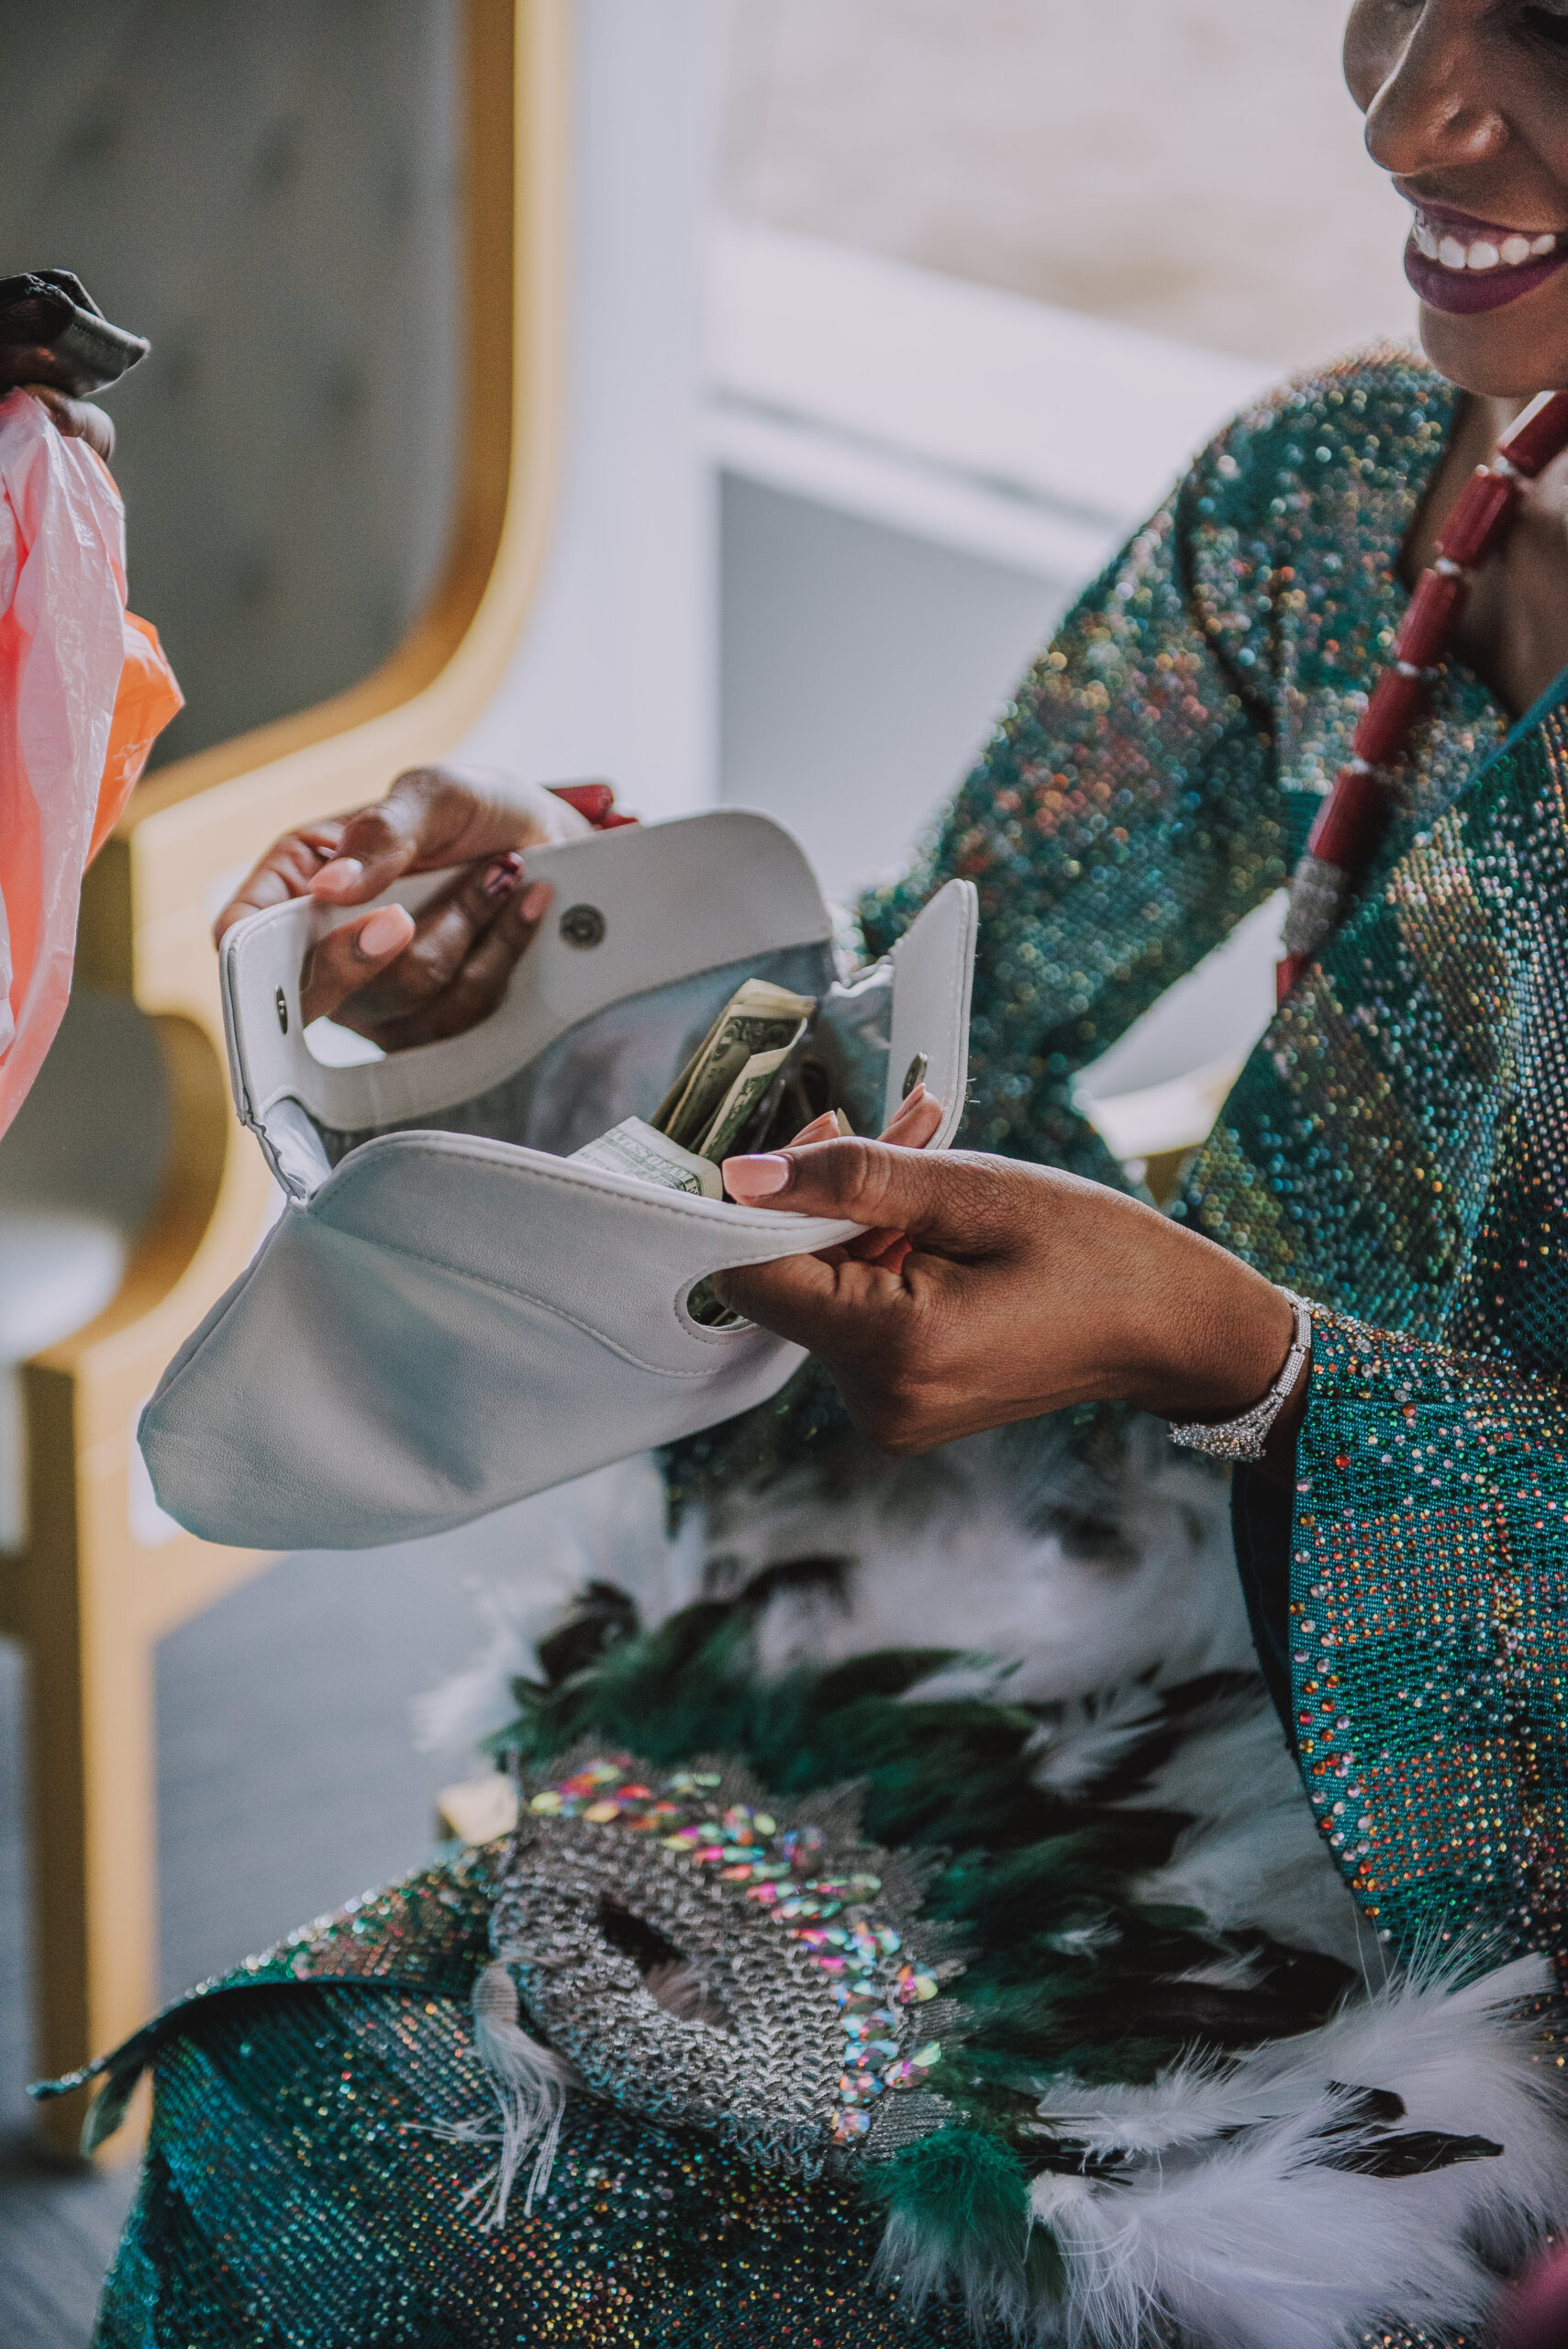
(913, 1075)
(583, 926)
(282, 1002)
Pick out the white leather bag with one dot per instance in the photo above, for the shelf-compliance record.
(448, 1315)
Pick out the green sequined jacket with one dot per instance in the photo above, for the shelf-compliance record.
(1397, 1145)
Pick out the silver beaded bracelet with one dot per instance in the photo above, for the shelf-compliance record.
(1245, 1438)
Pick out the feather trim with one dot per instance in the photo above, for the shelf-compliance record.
(1252, 1858)
(1230, 2178)
(530, 2082)
(1294, 2192)
(1079, 1587)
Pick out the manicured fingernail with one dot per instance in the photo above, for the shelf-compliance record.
(503, 875)
(756, 1178)
(344, 873)
(385, 931)
(534, 899)
(821, 1129)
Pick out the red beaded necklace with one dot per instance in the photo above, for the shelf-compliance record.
(1345, 837)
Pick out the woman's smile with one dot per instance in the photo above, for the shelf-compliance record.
(1462, 265)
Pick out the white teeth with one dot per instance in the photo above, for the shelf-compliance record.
(1510, 250)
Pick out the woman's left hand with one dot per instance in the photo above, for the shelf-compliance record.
(991, 1291)
(400, 979)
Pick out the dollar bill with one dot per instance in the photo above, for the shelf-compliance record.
(744, 1098)
(636, 1147)
(733, 1068)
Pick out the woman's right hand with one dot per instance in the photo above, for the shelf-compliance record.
(398, 979)
(984, 1290)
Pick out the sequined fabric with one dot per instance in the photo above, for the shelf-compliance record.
(294, 2195)
(1394, 1150)
(1430, 1635)
(1393, 1146)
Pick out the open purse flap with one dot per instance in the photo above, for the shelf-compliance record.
(653, 903)
(445, 1321)
(727, 891)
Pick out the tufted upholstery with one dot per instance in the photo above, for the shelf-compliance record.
(271, 193)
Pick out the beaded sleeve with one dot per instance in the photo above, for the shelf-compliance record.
(1122, 818)
(1428, 1620)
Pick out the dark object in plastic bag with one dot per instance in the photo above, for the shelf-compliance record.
(51, 331)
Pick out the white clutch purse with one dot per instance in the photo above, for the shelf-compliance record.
(448, 1315)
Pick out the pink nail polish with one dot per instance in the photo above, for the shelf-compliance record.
(756, 1178)
(385, 930)
(339, 875)
(534, 899)
(503, 874)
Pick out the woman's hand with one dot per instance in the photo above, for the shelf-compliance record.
(77, 420)
(986, 1290)
(399, 980)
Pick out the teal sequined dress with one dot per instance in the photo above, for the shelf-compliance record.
(1396, 1150)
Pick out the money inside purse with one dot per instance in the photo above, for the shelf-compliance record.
(751, 1084)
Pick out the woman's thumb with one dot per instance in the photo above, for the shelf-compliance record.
(870, 1183)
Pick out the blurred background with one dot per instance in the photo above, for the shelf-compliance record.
(887, 321)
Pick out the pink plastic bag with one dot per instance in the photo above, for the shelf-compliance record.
(84, 692)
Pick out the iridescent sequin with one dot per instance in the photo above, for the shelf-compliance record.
(1154, 778)
(295, 2194)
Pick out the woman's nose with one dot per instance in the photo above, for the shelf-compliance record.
(1435, 111)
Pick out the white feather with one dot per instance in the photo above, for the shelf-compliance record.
(1089, 1736)
(1233, 2227)
(1259, 2247)
(944, 1556)
(1253, 1856)
(530, 2083)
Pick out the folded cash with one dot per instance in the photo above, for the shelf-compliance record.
(636, 1148)
(745, 1065)
(733, 1069)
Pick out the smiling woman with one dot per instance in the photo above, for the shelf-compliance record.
(1098, 2010)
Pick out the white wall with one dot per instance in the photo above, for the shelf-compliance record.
(615, 675)
(918, 475)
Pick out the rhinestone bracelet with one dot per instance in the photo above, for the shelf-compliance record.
(1244, 1438)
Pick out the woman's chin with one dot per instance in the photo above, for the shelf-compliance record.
(1501, 354)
